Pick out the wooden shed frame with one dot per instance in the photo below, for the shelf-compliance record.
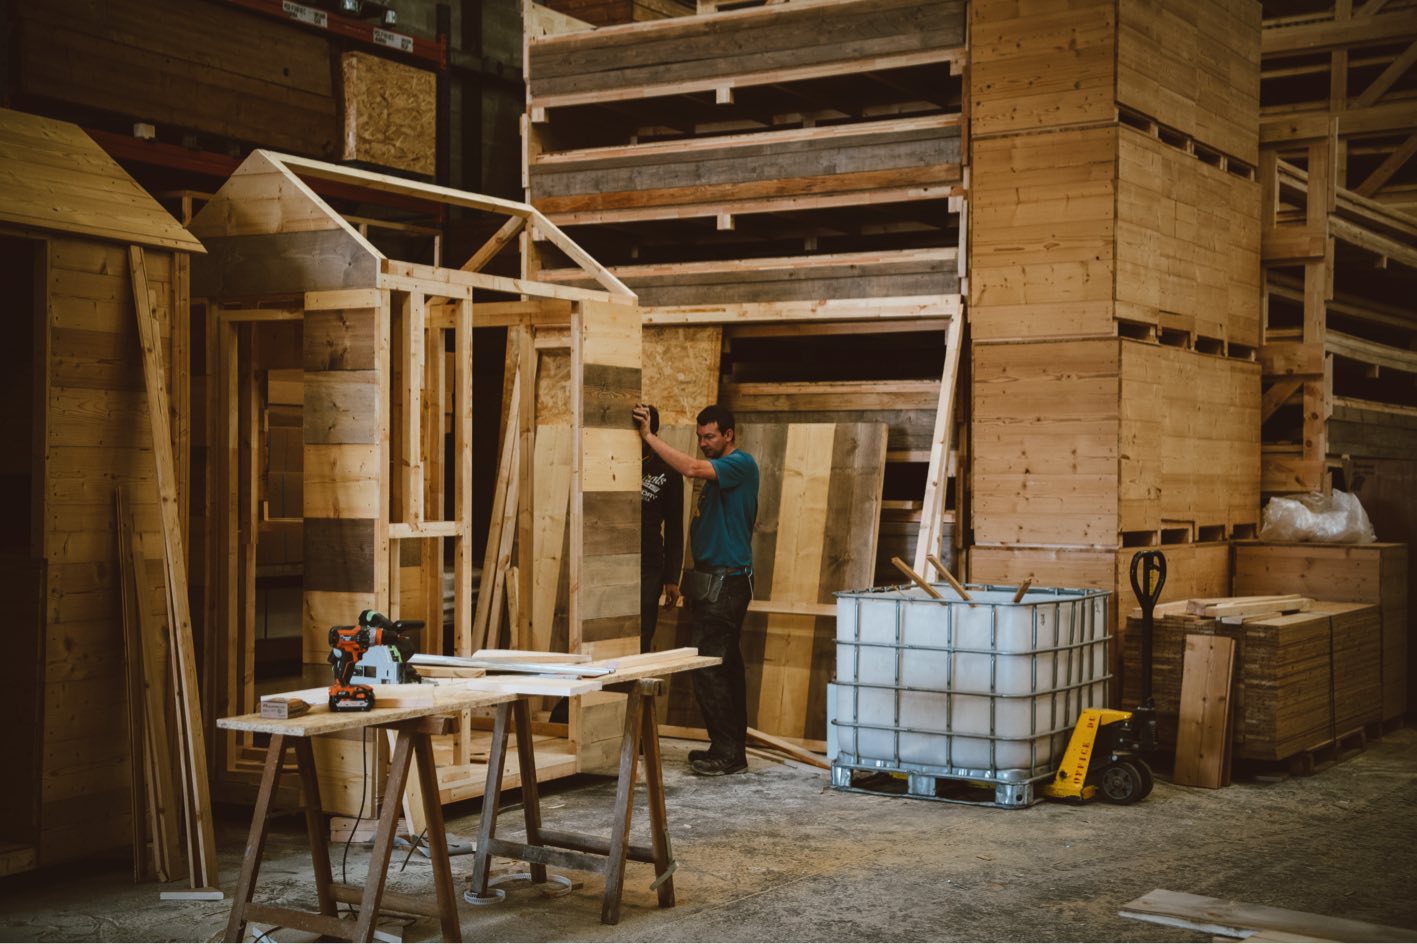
(376, 332)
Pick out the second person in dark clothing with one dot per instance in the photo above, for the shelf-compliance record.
(661, 536)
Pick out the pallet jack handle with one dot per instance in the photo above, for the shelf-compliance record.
(1148, 577)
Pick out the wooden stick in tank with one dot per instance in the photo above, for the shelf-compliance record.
(944, 572)
(910, 572)
(1022, 589)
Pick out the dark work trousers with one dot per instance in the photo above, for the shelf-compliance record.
(721, 689)
(650, 589)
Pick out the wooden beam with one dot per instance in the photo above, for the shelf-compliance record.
(1362, 30)
(385, 183)
(1276, 396)
(1389, 167)
(580, 257)
(204, 872)
(1385, 80)
(932, 510)
(499, 240)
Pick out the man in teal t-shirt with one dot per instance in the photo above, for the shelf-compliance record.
(720, 585)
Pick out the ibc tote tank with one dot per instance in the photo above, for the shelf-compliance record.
(985, 691)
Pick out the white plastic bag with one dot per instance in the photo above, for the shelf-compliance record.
(1325, 519)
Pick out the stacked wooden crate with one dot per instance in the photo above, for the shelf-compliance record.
(1302, 679)
(1113, 289)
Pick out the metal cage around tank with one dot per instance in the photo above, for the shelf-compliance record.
(947, 692)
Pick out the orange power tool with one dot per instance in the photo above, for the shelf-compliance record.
(375, 649)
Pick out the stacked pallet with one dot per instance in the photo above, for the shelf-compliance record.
(1114, 290)
(791, 175)
(1368, 573)
(1303, 678)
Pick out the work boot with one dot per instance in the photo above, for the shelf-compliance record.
(699, 755)
(718, 766)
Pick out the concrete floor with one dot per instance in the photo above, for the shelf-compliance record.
(777, 855)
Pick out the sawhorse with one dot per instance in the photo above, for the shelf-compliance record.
(566, 850)
(412, 742)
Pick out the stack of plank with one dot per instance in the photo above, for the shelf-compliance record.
(1307, 672)
(1376, 574)
(1114, 290)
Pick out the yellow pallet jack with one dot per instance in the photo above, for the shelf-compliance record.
(1104, 754)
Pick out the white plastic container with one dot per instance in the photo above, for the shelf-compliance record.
(985, 691)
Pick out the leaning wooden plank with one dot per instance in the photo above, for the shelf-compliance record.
(143, 828)
(933, 508)
(1204, 723)
(504, 498)
(162, 790)
(1238, 918)
(792, 750)
(204, 867)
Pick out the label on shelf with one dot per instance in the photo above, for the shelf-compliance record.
(393, 40)
(298, 11)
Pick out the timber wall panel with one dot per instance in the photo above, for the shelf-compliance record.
(96, 437)
(223, 72)
(723, 46)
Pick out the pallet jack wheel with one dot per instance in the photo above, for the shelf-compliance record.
(1121, 783)
(1148, 779)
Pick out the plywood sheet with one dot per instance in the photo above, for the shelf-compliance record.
(389, 113)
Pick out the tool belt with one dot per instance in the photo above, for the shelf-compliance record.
(704, 583)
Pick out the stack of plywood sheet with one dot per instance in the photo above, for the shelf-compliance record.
(1302, 679)
(1114, 290)
(1364, 573)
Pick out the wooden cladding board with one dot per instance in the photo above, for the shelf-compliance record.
(1073, 231)
(224, 72)
(389, 113)
(902, 153)
(818, 514)
(725, 46)
(1301, 680)
(1189, 64)
(96, 436)
(1076, 442)
(604, 545)
(1364, 573)
(345, 417)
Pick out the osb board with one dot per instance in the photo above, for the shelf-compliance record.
(818, 517)
(389, 113)
(1072, 231)
(681, 371)
(1188, 242)
(1076, 442)
(1366, 573)
(1194, 65)
(1033, 68)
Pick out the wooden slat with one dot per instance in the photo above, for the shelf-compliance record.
(1203, 726)
(1238, 918)
(204, 867)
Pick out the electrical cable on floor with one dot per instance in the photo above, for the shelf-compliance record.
(363, 792)
(413, 847)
